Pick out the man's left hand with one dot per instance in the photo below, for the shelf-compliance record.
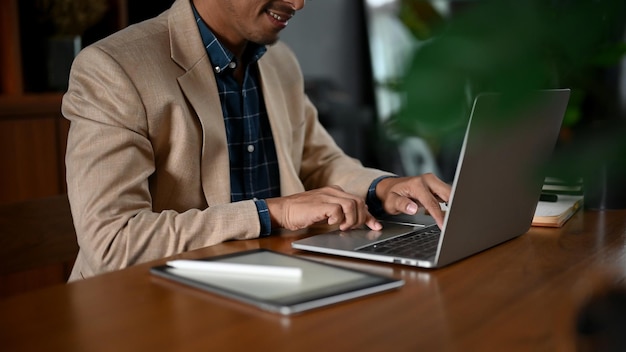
(407, 194)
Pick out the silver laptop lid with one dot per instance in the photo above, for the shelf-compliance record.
(500, 171)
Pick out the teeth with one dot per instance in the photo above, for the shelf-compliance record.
(277, 17)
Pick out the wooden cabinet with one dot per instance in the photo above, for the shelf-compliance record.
(33, 132)
(32, 146)
(10, 60)
(37, 239)
(36, 230)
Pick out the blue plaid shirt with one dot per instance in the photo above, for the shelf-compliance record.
(253, 162)
(252, 154)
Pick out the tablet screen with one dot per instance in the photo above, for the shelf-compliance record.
(320, 284)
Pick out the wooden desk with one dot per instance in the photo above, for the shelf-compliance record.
(522, 295)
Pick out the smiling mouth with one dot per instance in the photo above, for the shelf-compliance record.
(282, 18)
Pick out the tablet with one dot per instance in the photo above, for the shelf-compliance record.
(321, 284)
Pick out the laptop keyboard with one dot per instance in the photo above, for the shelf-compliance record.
(420, 244)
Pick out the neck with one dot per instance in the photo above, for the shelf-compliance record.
(215, 21)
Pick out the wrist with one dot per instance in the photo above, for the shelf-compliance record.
(264, 218)
(382, 187)
(375, 192)
(274, 207)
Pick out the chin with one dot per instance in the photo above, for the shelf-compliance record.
(271, 42)
(265, 40)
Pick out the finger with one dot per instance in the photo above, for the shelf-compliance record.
(373, 223)
(362, 213)
(360, 216)
(409, 206)
(334, 213)
(354, 208)
(400, 204)
(438, 187)
(432, 191)
(434, 209)
(364, 218)
(430, 203)
(350, 212)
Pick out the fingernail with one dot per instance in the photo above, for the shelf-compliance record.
(411, 208)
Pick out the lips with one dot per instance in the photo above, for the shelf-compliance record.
(280, 16)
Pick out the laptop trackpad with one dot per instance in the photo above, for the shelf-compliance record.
(358, 237)
(419, 219)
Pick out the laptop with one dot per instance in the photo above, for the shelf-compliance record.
(494, 193)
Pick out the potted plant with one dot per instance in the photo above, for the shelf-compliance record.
(520, 46)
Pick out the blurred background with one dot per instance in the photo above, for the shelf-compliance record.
(403, 74)
(393, 80)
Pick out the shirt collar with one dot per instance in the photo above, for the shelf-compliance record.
(220, 56)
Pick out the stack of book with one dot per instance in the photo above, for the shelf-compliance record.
(559, 201)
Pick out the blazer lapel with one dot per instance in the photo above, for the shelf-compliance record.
(281, 128)
(198, 85)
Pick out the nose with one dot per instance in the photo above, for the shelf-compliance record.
(298, 4)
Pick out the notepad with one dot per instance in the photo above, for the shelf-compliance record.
(556, 214)
(320, 284)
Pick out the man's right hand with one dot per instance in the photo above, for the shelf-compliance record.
(329, 204)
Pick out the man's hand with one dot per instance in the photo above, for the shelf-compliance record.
(329, 204)
(407, 194)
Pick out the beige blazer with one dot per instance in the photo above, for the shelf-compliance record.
(147, 161)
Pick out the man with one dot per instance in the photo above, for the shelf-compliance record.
(193, 128)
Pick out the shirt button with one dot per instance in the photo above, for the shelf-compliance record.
(232, 64)
(217, 69)
(250, 148)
